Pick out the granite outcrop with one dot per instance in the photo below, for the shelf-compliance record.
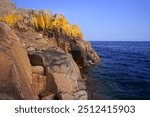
(41, 55)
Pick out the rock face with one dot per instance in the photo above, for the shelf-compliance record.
(62, 72)
(14, 68)
(41, 60)
(6, 7)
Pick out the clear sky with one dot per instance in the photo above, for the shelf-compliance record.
(102, 20)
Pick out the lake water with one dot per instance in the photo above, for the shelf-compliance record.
(123, 72)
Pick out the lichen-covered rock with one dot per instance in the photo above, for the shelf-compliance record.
(10, 19)
(41, 55)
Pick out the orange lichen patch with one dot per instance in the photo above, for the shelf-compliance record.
(10, 19)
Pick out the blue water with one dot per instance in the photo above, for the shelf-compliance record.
(124, 71)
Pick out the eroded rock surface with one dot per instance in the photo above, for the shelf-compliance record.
(62, 72)
(15, 78)
(6, 7)
(38, 62)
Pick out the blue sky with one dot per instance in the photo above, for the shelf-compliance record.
(102, 20)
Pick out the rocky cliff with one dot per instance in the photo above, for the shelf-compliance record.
(41, 55)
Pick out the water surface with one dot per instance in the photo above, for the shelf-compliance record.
(124, 71)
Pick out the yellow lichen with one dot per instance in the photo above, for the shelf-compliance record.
(41, 21)
(10, 19)
(45, 21)
(71, 30)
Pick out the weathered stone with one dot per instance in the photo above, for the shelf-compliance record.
(83, 53)
(37, 70)
(61, 71)
(46, 95)
(3, 33)
(49, 97)
(45, 12)
(7, 7)
(18, 69)
(64, 83)
(85, 97)
(7, 34)
(52, 53)
(15, 74)
(80, 94)
(51, 85)
(66, 96)
(82, 85)
(39, 83)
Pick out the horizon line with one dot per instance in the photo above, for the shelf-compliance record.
(120, 40)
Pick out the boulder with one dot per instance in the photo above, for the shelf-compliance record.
(61, 70)
(64, 83)
(46, 95)
(82, 94)
(66, 96)
(38, 70)
(83, 53)
(38, 83)
(84, 97)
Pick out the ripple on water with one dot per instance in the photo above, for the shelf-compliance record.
(124, 72)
